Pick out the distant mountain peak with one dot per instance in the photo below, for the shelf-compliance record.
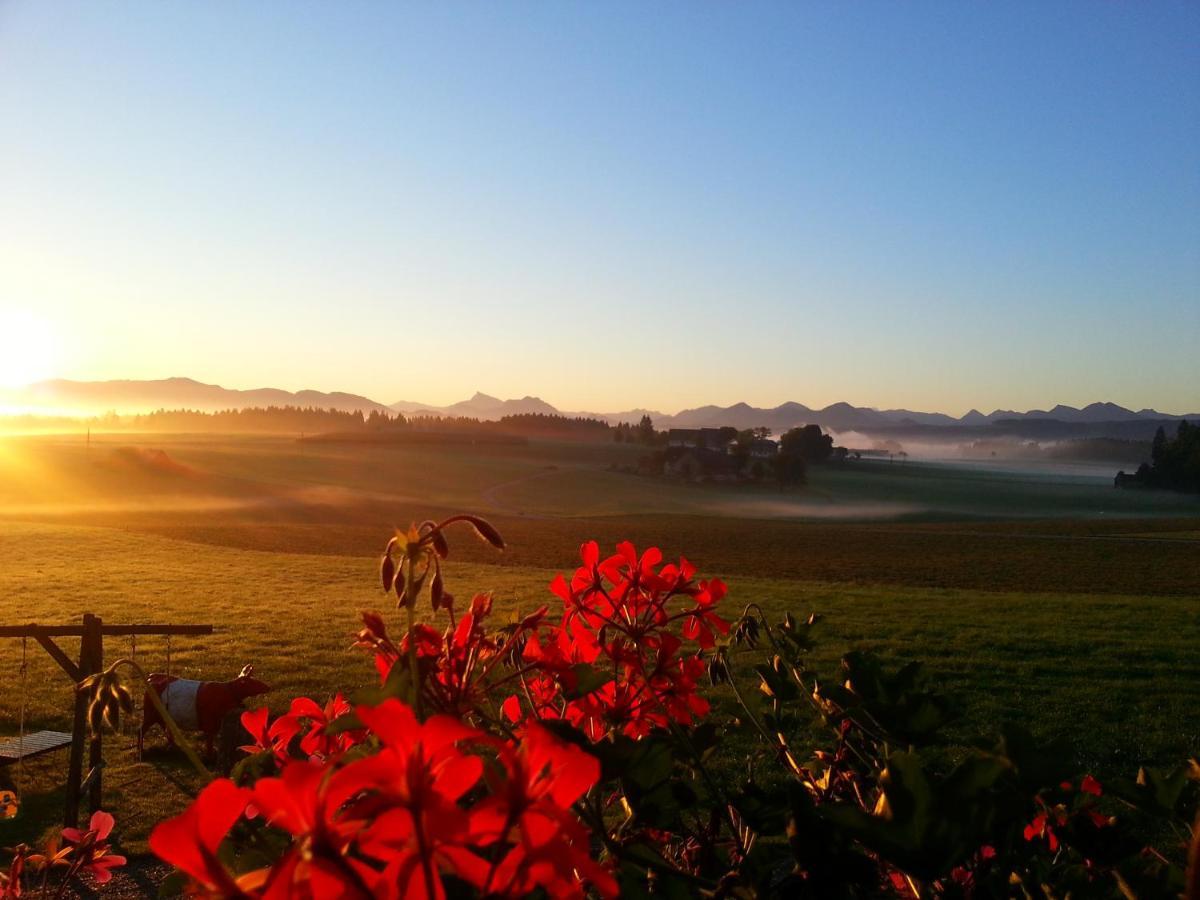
(181, 392)
(126, 396)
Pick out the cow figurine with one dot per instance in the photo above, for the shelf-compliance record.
(197, 705)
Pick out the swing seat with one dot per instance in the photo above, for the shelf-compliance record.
(35, 744)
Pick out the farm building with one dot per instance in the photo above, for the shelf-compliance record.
(761, 448)
(716, 440)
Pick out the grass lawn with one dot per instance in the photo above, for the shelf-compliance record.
(1116, 675)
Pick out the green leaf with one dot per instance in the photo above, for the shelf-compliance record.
(587, 678)
(250, 768)
(397, 687)
(343, 723)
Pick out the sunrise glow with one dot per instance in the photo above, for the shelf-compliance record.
(29, 348)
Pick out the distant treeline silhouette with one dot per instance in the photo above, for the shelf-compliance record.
(529, 424)
(1174, 462)
(256, 419)
(313, 421)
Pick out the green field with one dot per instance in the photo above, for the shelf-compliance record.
(1060, 603)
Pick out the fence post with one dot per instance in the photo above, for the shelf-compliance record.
(78, 731)
(95, 754)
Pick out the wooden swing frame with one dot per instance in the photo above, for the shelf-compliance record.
(91, 633)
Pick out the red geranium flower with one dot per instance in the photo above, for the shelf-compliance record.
(316, 742)
(531, 809)
(189, 841)
(305, 802)
(409, 803)
(273, 739)
(90, 847)
(1040, 827)
(703, 621)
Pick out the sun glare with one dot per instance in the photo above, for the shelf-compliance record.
(28, 348)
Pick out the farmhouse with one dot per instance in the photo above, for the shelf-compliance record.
(761, 448)
(713, 439)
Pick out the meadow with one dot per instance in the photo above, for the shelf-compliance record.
(1060, 603)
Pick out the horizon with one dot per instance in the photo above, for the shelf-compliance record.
(716, 206)
(608, 409)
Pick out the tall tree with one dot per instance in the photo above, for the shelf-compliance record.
(646, 430)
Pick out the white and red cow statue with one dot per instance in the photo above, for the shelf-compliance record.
(197, 705)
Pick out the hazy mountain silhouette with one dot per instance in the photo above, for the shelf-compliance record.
(845, 417)
(170, 393)
(186, 393)
(480, 406)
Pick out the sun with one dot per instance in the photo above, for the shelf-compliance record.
(28, 348)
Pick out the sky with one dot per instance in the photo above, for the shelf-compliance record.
(934, 206)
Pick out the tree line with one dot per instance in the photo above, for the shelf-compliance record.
(315, 420)
(1174, 461)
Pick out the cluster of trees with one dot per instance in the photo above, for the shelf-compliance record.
(522, 425)
(256, 419)
(1174, 462)
(641, 433)
(750, 453)
(549, 425)
(797, 448)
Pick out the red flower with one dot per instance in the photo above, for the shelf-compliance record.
(91, 849)
(619, 615)
(531, 809)
(10, 883)
(374, 637)
(273, 739)
(189, 841)
(409, 806)
(702, 621)
(306, 802)
(429, 641)
(316, 743)
(1040, 828)
(1090, 785)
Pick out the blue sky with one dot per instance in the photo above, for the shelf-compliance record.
(935, 206)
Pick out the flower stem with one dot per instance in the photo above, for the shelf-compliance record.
(414, 666)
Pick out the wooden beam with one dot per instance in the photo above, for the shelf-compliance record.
(61, 658)
(35, 631)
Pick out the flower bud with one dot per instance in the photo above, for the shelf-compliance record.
(387, 571)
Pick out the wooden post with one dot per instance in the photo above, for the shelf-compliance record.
(95, 754)
(78, 732)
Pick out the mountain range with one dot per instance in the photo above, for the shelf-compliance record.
(91, 397)
(98, 397)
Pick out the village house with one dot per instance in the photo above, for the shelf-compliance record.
(717, 440)
(761, 448)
